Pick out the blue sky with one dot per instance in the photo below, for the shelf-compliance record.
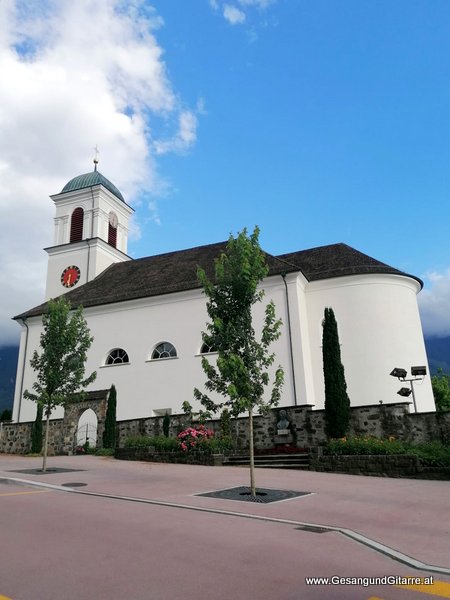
(320, 121)
(331, 126)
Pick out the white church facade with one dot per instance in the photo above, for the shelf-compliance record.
(146, 315)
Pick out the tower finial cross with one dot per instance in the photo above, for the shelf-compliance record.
(97, 152)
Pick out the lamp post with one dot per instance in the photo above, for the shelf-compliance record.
(417, 373)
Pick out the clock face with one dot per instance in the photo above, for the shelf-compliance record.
(113, 220)
(70, 276)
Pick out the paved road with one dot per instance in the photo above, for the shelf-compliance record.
(64, 545)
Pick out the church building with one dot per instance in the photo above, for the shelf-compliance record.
(146, 315)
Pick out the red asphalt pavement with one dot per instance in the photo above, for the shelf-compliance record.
(63, 545)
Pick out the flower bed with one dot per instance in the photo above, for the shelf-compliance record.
(433, 454)
(194, 438)
(149, 454)
(193, 445)
(389, 457)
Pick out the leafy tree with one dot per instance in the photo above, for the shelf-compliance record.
(36, 431)
(441, 390)
(109, 433)
(60, 367)
(241, 374)
(6, 415)
(337, 403)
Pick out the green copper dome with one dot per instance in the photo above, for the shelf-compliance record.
(90, 179)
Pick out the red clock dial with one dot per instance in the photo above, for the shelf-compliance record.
(70, 276)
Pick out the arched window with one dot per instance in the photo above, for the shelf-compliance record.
(206, 349)
(164, 350)
(112, 229)
(118, 356)
(76, 225)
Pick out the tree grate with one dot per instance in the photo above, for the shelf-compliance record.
(74, 484)
(263, 495)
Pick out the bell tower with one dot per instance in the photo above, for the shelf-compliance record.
(91, 232)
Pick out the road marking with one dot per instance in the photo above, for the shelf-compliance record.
(437, 588)
(22, 494)
(4, 597)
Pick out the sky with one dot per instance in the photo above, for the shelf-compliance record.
(319, 121)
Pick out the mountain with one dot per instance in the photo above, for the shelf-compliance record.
(438, 352)
(8, 366)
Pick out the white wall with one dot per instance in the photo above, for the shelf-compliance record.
(379, 329)
(143, 385)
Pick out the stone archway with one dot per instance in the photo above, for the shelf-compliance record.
(87, 429)
(95, 401)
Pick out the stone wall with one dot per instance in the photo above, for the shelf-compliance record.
(15, 438)
(307, 427)
(390, 466)
(399, 465)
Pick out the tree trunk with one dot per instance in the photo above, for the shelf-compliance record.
(44, 453)
(252, 454)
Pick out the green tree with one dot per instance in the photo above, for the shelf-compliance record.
(60, 366)
(36, 431)
(337, 403)
(6, 415)
(109, 433)
(241, 373)
(441, 390)
(166, 425)
(225, 424)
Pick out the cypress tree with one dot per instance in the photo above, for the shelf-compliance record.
(109, 434)
(6, 415)
(166, 425)
(36, 431)
(337, 403)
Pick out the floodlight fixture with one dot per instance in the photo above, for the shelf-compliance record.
(418, 371)
(404, 391)
(398, 372)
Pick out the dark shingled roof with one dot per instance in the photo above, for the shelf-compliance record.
(177, 272)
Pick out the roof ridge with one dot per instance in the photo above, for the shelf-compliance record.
(143, 258)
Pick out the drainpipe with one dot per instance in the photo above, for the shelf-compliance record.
(23, 369)
(291, 353)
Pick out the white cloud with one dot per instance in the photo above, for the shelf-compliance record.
(185, 137)
(75, 74)
(233, 15)
(238, 13)
(434, 303)
(262, 4)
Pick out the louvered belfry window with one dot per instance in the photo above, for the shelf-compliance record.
(112, 235)
(76, 225)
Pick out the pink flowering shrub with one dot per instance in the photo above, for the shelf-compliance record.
(194, 437)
